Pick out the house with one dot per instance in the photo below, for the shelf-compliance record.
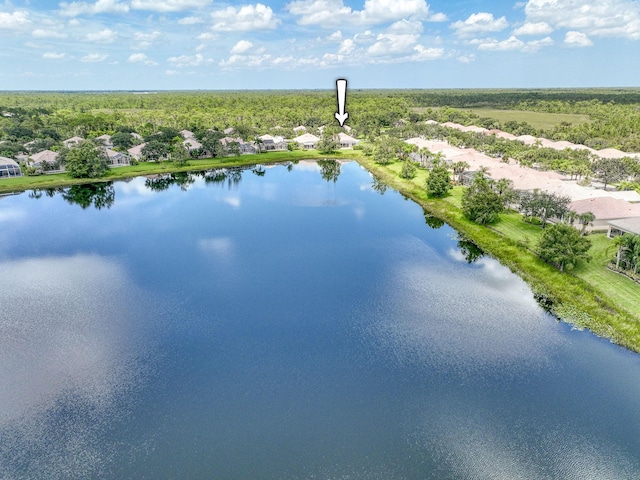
(105, 140)
(191, 144)
(9, 168)
(245, 147)
(117, 159)
(307, 141)
(40, 158)
(186, 134)
(606, 210)
(136, 152)
(347, 141)
(300, 128)
(72, 142)
(228, 131)
(269, 143)
(136, 136)
(622, 226)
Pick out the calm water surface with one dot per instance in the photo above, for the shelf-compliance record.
(273, 324)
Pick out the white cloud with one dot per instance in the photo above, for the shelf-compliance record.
(74, 9)
(53, 56)
(406, 26)
(168, 5)
(245, 18)
(145, 40)
(346, 47)
(187, 61)
(467, 58)
(328, 13)
(241, 47)
(335, 36)
(42, 33)
(479, 23)
(190, 21)
(389, 43)
(246, 61)
(94, 57)
(577, 39)
(10, 21)
(208, 36)
(437, 17)
(512, 43)
(538, 28)
(424, 54)
(103, 36)
(612, 18)
(141, 58)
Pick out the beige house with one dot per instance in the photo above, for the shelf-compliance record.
(40, 158)
(136, 152)
(308, 141)
(117, 159)
(606, 210)
(105, 140)
(347, 141)
(186, 134)
(72, 142)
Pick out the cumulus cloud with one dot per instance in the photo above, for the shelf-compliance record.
(10, 21)
(94, 57)
(577, 39)
(538, 28)
(103, 36)
(187, 60)
(43, 33)
(245, 18)
(141, 58)
(512, 43)
(389, 43)
(406, 26)
(145, 40)
(190, 21)
(479, 23)
(168, 5)
(74, 9)
(613, 18)
(241, 47)
(328, 13)
(53, 56)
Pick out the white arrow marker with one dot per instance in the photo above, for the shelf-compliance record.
(341, 115)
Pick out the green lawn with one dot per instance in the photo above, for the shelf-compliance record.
(589, 296)
(17, 184)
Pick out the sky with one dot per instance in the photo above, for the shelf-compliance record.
(308, 44)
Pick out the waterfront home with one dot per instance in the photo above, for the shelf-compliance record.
(117, 159)
(624, 225)
(191, 144)
(269, 143)
(44, 157)
(136, 152)
(9, 168)
(308, 141)
(606, 209)
(244, 147)
(347, 141)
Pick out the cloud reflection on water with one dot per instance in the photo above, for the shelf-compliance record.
(69, 342)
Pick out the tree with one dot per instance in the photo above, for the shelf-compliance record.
(585, 219)
(438, 182)
(329, 169)
(100, 195)
(329, 142)
(458, 169)
(378, 185)
(609, 170)
(155, 150)
(384, 153)
(86, 161)
(480, 203)
(408, 169)
(122, 140)
(563, 246)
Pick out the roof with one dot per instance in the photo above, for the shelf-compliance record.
(227, 131)
(73, 140)
(44, 156)
(611, 153)
(607, 208)
(344, 138)
(8, 161)
(113, 153)
(192, 143)
(629, 225)
(187, 134)
(137, 150)
(307, 138)
(300, 128)
(104, 137)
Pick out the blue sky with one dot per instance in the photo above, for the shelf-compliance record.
(212, 44)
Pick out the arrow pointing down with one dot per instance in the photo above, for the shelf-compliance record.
(341, 115)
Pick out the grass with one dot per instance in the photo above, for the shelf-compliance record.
(18, 184)
(591, 296)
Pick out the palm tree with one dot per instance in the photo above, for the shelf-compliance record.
(571, 217)
(458, 169)
(585, 219)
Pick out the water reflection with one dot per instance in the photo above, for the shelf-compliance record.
(378, 185)
(470, 251)
(329, 170)
(433, 222)
(98, 195)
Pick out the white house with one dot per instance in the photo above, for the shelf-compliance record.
(269, 143)
(347, 141)
(307, 141)
(9, 168)
(105, 140)
(72, 142)
(186, 134)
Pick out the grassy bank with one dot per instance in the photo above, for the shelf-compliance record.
(18, 184)
(591, 297)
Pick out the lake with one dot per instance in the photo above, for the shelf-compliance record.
(287, 322)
